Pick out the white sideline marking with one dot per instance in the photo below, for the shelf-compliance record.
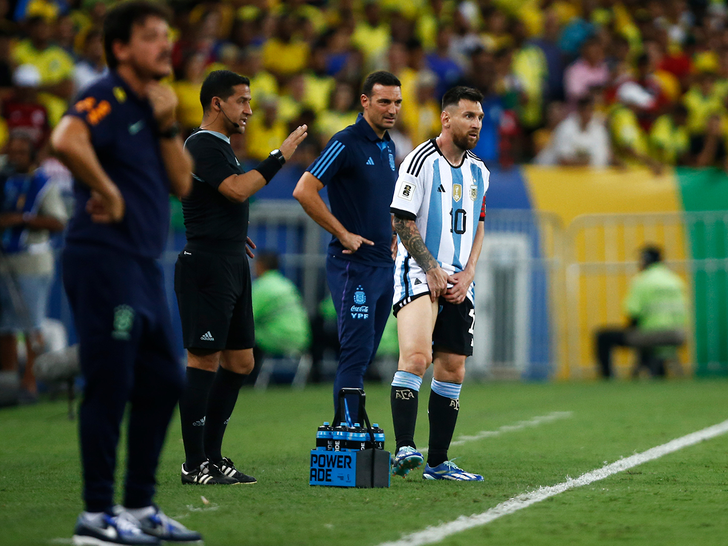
(437, 533)
(520, 425)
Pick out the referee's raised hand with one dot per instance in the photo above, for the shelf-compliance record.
(294, 139)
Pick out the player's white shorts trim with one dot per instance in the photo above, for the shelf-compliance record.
(410, 281)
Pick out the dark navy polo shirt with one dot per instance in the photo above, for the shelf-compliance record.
(123, 134)
(358, 169)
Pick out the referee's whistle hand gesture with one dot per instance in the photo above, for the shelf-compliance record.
(294, 139)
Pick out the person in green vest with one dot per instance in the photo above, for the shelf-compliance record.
(656, 306)
(282, 328)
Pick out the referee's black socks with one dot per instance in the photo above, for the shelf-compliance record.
(223, 395)
(192, 413)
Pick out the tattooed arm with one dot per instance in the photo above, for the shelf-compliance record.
(437, 278)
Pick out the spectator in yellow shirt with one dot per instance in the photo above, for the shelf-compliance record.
(341, 113)
(54, 64)
(187, 88)
(318, 84)
(702, 102)
(422, 118)
(264, 130)
(250, 63)
(292, 102)
(372, 36)
(669, 139)
(629, 140)
(284, 54)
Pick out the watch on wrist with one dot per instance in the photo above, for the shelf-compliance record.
(170, 132)
(279, 156)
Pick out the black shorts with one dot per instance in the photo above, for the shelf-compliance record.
(453, 331)
(215, 304)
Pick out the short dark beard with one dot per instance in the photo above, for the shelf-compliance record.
(463, 143)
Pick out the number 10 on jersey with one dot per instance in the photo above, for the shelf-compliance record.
(458, 221)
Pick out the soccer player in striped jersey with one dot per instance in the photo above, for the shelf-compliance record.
(438, 207)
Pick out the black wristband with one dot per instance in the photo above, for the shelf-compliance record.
(171, 132)
(269, 167)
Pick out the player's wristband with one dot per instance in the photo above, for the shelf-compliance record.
(269, 167)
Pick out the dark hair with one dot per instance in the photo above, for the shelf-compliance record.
(23, 134)
(121, 18)
(220, 83)
(650, 254)
(586, 100)
(268, 260)
(454, 95)
(380, 77)
(34, 20)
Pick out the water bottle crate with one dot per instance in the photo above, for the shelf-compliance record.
(350, 455)
(366, 468)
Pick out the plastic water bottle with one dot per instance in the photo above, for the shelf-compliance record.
(378, 436)
(339, 437)
(358, 438)
(325, 437)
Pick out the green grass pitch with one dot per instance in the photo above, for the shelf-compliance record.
(681, 498)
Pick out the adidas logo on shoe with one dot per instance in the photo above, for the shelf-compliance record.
(206, 474)
(207, 336)
(227, 467)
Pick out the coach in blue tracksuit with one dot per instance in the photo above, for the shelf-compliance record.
(121, 142)
(357, 166)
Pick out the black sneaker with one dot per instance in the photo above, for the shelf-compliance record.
(227, 467)
(206, 474)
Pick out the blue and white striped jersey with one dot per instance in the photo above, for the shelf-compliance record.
(446, 203)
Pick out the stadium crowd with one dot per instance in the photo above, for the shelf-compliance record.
(619, 81)
(565, 82)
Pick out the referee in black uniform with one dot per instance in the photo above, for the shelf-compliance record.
(212, 275)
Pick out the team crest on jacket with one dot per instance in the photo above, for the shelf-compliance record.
(457, 192)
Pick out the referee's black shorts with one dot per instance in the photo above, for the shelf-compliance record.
(214, 299)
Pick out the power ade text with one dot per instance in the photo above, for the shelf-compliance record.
(323, 464)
